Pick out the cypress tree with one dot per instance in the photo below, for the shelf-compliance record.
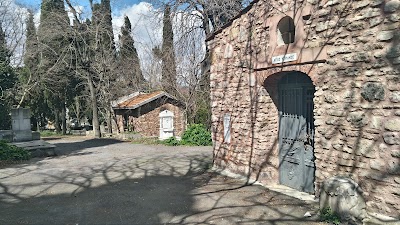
(108, 34)
(7, 81)
(129, 60)
(31, 59)
(29, 78)
(53, 43)
(168, 78)
(7, 78)
(104, 61)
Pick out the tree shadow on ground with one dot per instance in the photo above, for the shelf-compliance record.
(172, 189)
(150, 200)
(66, 148)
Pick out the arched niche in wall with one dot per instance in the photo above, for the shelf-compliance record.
(288, 36)
(286, 31)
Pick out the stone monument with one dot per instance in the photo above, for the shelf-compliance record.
(22, 136)
(21, 124)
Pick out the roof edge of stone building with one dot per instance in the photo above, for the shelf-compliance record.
(242, 12)
(145, 101)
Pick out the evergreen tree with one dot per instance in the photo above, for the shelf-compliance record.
(31, 58)
(102, 20)
(104, 62)
(7, 81)
(168, 78)
(107, 31)
(129, 63)
(29, 80)
(53, 68)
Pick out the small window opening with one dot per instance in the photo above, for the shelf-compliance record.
(286, 31)
(306, 17)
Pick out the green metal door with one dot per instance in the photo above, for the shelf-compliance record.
(296, 132)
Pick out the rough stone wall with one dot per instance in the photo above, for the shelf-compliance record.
(351, 51)
(148, 124)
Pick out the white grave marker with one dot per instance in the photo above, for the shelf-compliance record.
(166, 124)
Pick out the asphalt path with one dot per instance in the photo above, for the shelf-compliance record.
(106, 181)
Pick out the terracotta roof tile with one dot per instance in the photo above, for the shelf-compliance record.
(138, 100)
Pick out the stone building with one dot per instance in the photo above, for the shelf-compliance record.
(305, 90)
(145, 113)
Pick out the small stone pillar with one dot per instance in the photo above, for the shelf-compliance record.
(166, 124)
(21, 124)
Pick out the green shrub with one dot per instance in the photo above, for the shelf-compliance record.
(328, 215)
(172, 141)
(12, 153)
(198, 135)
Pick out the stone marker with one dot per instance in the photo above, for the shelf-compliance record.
(21, 124)
(344, 197)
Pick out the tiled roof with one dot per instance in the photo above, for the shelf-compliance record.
(139, 100)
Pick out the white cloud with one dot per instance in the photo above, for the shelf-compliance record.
(146, 31)
(146, 27)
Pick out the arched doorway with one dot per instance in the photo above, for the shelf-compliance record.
(296, 131)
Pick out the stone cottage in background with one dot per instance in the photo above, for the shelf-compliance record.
(305, 90)
(150, 114)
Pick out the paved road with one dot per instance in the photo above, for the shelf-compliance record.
(111, 182)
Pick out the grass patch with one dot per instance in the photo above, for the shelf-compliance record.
(146, 141)
(49, 133)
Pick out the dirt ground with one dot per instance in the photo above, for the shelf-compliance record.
(105, 181)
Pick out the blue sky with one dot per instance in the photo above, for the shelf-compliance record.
(117, 5)
(146, 27)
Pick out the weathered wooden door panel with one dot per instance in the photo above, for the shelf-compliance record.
(296, 132)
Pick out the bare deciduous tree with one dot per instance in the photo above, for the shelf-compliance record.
(194, 21)
(12, 19)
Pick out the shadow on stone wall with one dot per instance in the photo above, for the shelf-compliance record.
(356, 103)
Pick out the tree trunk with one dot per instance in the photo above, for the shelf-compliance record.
(96, 124)
(57, 121)
(109, 119)
(64, 119)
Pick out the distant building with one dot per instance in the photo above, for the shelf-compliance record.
(305, 90)
(150, 114)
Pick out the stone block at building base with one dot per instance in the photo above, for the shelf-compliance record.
(22, 135)
(344, 197)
